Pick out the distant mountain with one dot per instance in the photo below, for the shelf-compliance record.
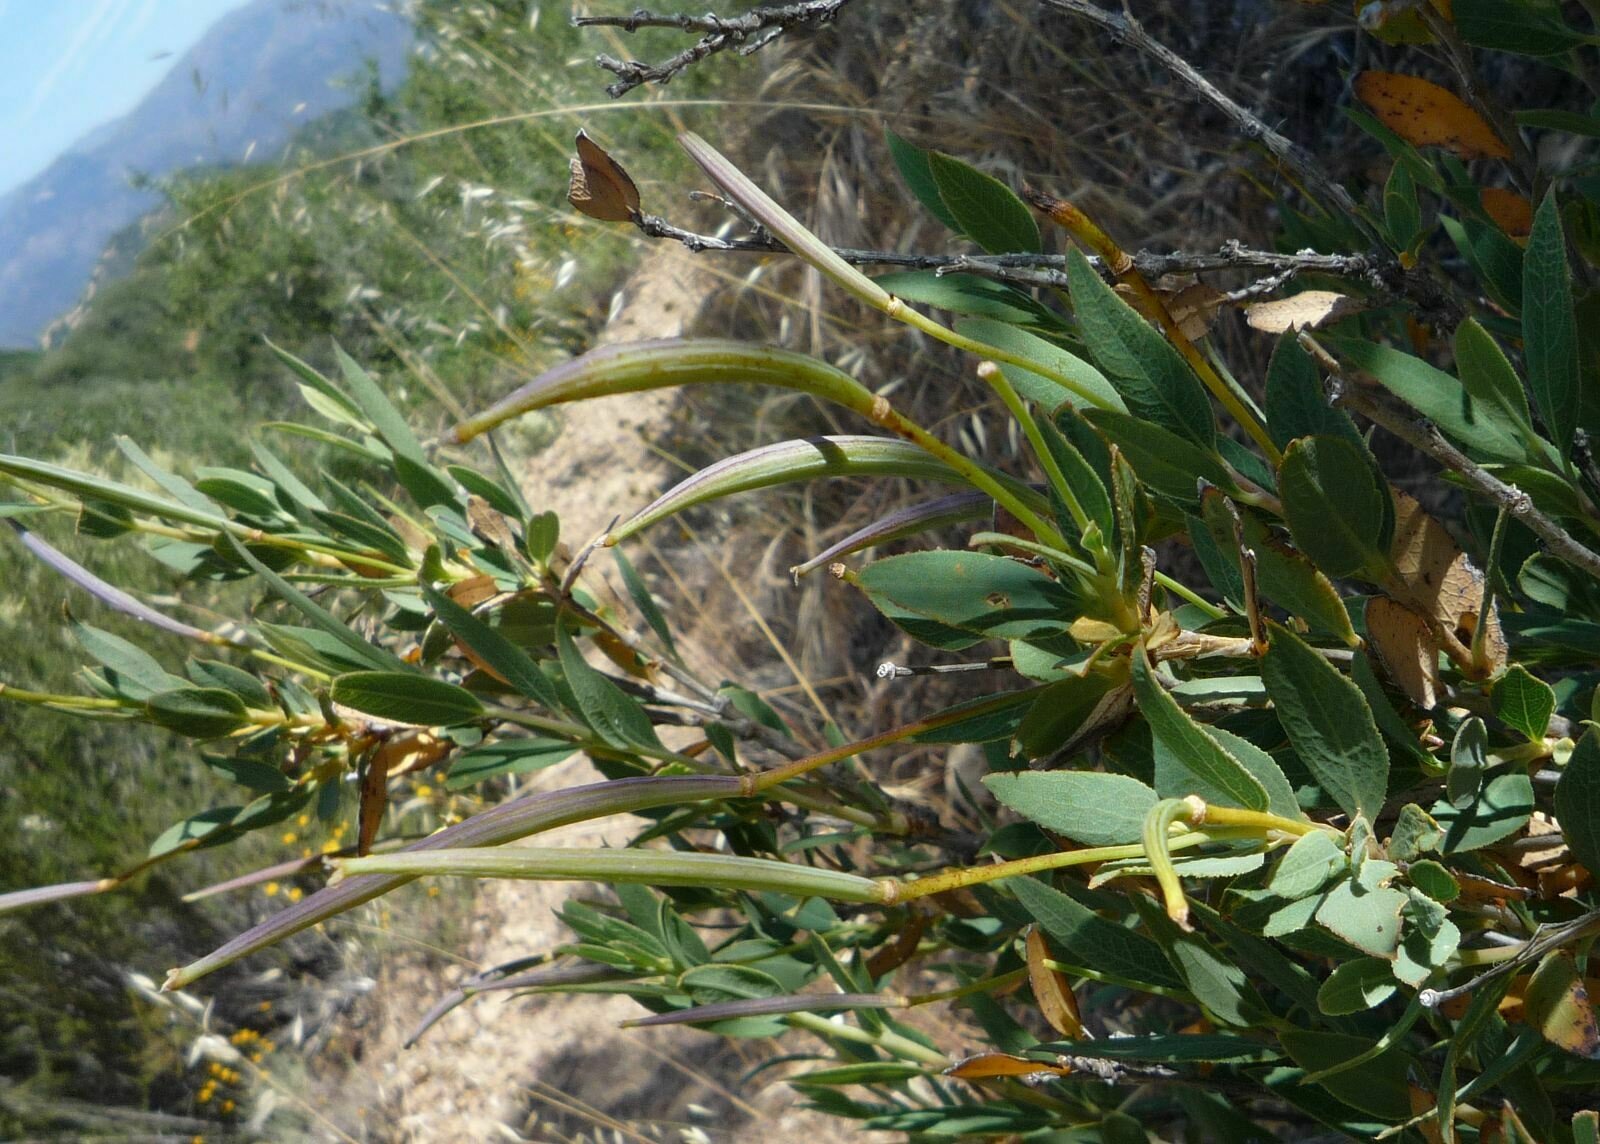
(256, 76)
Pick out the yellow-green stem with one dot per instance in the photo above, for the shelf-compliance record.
(989, 372)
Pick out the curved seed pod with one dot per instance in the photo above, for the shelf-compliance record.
(768, 1006)
(802, 459)
(108, 594)
(905, 522)
(637, 366)
(738, 187)
(505, 823)
(641, 867)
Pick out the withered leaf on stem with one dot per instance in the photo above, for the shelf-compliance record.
(1406, 648)
(1436, 580)
(1307, 310)
(994, 1065)
(600, 188)
(1050, 989)
(1425, 114)
(374, 797)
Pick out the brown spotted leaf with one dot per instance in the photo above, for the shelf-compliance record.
(1425, 114)
(1557, 1004)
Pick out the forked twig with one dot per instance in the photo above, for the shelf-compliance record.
(748, 33)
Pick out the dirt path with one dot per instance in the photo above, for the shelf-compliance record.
(557, 1068)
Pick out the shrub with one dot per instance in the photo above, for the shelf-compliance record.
(1296, 794)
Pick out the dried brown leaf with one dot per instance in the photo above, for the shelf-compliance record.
(1051, 990)
(374, 797)
(1437, 581)
(1406, 649)
(991, 1065)
(1307, 310)
(1511, 212)
(1425, 114)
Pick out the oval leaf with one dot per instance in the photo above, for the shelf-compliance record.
(411, 700)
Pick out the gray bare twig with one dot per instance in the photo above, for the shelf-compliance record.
(1030, 270)
(749, 33)
(1422, 435)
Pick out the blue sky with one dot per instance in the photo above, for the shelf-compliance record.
(67, 66)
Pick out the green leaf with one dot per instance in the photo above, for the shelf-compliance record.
(637, 367)
(1296, 406)
(198, 712)
(241, 491)
(506, 757)
(1415, 833)
(131, 670)
(1554, 119)
(1166, 462)
(1577, 801)
(174, 485)
(1283, 575)
(1356, 986)
(912, 163)
(1484, 428)
(1082, 479)
(1434, 880)
(972, 591)
(514, 664)
(1219, 985)
(1487, 374)
(970, 295)
(1188, 759)
(1306, 866)
(1048, 394)
(1169, 1048)
(1154, 381)
(1429, 942)
(406, 698)
(1376, 1087)
(426, 484)
(249, 773)
(211, 673)
(1328, 722)
(644, 601)
(615, 717)
(1549, 326)
(1092, 945)
(1502, 808)
(1089, 807)
(1401, 212)
(1280, 792)
(1515, 26)
(1468, 760)
(1336, 507)
(1075, 709)
(1523, 702)
(984, 208)
(373, 656)
(1364, 913)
